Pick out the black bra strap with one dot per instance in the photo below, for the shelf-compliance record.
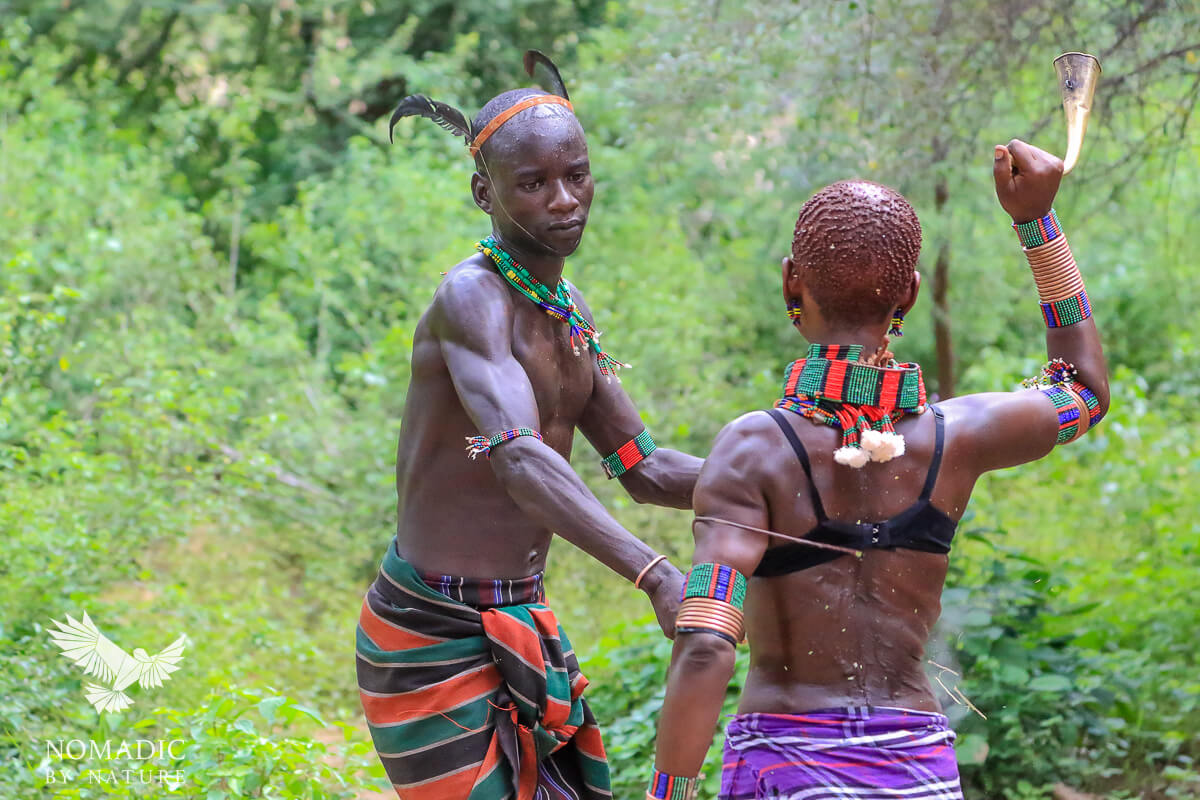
(939, 441)
(802, 456)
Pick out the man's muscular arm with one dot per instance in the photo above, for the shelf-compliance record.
(663, 478)
(476, 344)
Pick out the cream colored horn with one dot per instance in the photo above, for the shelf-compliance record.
(1078, 74)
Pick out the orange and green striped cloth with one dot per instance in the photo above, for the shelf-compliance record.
(480, 700)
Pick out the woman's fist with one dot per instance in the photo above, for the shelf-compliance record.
(1026, 180)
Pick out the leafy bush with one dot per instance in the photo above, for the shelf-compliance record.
(236, 744)
(628, 674)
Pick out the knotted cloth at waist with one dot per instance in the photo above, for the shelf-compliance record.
(480, 703)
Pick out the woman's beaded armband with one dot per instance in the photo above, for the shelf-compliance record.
(1077, 406)
(482, 445)
(713, 597)
(670, 787)
(1064, 300)
(628, 455)
(1038, 232)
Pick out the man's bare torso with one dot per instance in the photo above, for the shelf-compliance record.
(454, 517)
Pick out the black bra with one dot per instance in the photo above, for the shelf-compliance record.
(921, 526)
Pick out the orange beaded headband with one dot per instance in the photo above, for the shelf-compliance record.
(509, 113)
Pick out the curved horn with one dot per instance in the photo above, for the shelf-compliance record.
(418, 105)
(535, 57)
(1078, 74)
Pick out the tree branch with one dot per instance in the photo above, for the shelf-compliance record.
(129, 17)
(150, 51)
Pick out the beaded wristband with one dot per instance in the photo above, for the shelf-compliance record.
(670, 787)
(1068, 311)
(628, 455)
(477, 445)
(1060, 286)
(1039, 231)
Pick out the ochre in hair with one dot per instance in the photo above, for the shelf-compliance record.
(856, 243)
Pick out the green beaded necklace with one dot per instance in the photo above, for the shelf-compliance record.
(559, 305)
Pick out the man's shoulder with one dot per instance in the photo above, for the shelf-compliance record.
(473, 278)
(470, 290)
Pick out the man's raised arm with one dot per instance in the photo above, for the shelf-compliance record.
(497, 396)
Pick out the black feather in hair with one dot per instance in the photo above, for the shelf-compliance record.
(535, 57)
(449, 117)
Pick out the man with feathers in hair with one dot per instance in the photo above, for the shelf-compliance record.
(470, 688)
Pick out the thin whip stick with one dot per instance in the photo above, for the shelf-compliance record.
(796, 539)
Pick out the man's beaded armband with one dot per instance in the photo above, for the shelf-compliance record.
(482, 445)
(670, 787)
(713, 597)
(628, 455)
(1077, 406)
(1064, 300)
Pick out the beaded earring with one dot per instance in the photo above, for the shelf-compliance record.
(897, 329)
(795, 313)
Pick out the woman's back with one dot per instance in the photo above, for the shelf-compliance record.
(851, 630)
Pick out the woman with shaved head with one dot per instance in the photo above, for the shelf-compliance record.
(827, 520)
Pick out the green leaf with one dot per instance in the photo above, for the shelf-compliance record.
(1050, 683)
(971, 749)
(310, 712)
(269, 706)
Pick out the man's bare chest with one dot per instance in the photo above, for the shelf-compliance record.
(561, 379)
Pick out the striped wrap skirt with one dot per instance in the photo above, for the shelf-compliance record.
(471, 690)
(840, 754)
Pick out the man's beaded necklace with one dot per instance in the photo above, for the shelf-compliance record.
(559, 305)
(832, 387)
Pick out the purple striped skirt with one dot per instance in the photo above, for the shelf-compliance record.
(840, 754)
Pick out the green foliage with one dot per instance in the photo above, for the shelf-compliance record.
(236, 744)
(1057, 707)
(628, 671)
(1048, 702)
(211, 268)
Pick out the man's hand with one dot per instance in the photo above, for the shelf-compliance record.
(1026, 180)
(665, 591)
